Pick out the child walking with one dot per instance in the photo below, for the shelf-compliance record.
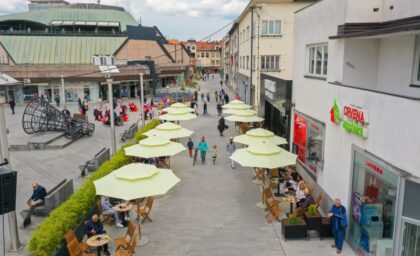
(214, 154)
(190, 146)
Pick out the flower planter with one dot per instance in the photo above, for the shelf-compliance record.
(293, 231)
(313, 221)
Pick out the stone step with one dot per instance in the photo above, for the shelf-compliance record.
(59, 143)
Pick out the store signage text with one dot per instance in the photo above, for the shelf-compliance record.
(374, 167)
(270, 85)
(355, 119)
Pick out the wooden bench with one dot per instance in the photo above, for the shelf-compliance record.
(55, 197)
(93, 164)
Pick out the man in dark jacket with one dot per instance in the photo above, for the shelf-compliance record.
(221, 126)
(37, 199)
(12, 104)
(94, 227)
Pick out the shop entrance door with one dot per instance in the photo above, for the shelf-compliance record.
(411, 238)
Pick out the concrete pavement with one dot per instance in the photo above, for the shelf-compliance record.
(210, 212)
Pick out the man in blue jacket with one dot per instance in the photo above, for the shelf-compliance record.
(94, 227)
(37, 199)
(338, 224)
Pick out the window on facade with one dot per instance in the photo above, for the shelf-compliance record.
(317, 59)
(416, 71)
(207, 55)
(271, 27)
(247, 62)
(253, 62)
(247, 32)
(270, 63)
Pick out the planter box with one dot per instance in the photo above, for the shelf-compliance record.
(314, 222)
(292, 231)
(325, 230)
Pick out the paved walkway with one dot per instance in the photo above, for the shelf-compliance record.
(210, 212)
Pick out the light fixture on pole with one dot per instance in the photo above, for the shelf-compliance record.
(107, 70)
(142, 100)
(111, 114)
(15, 244)
(63, 96)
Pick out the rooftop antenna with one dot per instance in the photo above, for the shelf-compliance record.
(139, 21)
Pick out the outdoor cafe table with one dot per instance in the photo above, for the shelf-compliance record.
(122, 208)
(98, 241)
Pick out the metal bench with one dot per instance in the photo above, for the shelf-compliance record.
(130, 132)
(93, 164)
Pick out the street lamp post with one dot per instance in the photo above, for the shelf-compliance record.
(111, 106)
(142, 100)
(64, 92)
(15, 244)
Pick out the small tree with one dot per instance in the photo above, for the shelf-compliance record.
(312, 211)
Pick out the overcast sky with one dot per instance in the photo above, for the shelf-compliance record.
(181, 19)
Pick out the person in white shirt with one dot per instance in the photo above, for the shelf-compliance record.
(300, 194)
(107, 210)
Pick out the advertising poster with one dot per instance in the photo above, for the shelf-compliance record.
(299, 137)
(357, 207)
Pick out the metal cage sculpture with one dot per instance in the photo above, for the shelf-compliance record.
(40, 116)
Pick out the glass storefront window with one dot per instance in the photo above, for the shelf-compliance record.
(374, 199)
(309, 136)
(411, 239)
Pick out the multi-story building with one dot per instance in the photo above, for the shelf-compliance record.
(265, 58)
(40, 47)
(205, 55)
(356, 123)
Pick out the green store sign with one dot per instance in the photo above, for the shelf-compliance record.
(355, 121)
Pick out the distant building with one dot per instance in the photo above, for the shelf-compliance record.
(43, 4)
(205, 55)
(40, 46)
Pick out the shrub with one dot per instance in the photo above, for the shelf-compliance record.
(47, 238)
(294, 220)
(312, 210)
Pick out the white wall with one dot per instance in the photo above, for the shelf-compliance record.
(394, 122)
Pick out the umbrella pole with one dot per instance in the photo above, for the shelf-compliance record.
(142, 239)
(262, 186)
(255, 180)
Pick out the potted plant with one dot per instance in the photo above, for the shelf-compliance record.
(313, 218)
(294, 227)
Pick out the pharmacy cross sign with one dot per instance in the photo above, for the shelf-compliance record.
(354, 120)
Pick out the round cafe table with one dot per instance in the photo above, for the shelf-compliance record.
(98, 241)
(122, 208)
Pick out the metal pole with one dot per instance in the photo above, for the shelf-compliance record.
(142, 100)
(15, 244)
(111, 106)
(64, 92)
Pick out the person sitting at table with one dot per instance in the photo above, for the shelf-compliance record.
(94, 227)
(309, 199)
(107, 210)
(37, 199)
(300, 195)
(284, 188)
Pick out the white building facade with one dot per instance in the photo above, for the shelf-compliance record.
(355, 123)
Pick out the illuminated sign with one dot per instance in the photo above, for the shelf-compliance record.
(353, 119)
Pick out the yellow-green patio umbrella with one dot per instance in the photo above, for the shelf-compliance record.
(135, 181)
(154, 147)
(259, 135)
(233, 111)
(245, 117)
(169, 130)
(263, 155)
(236, 104)
(179, 105)
(178, 110)
(177, 116)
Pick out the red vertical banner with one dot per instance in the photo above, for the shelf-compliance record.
(299, 137)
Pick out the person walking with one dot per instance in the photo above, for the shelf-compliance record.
(231, 148)
(57, 99)
(222, 126)
(214, 154)
(205, 113)
(12, 105)
(219, 109)
(226, 98)
(216, 96)
(203, 147)
(208, 96)
(339, 224)
(221, 96)
(202, 96)
(79, 101)
(221, 83)
(190, 146)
